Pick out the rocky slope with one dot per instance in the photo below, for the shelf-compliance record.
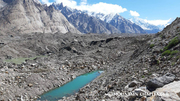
(85, 23)
(26, 16)
(140, 76)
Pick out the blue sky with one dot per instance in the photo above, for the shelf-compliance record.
(156, 12)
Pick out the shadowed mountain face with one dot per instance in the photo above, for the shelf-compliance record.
(27, 16)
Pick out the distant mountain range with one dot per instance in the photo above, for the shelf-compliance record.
(85, 23)
(111, 18)
(88, 22)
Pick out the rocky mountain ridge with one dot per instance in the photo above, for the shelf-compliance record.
(92, 23)
(149, 28)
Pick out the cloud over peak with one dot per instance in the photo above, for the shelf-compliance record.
(134, 13)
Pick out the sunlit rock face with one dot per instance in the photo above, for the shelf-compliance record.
(27, 16)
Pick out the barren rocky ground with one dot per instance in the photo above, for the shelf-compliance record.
(139, 63)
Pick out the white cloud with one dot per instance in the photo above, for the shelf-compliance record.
(69, 3)
(98, 7)
(159, 22)
(134, 13)
(83, 2)
(102, 8)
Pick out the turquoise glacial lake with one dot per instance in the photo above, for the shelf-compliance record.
(70, 88)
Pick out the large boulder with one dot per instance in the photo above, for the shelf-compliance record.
(169, 92)
(160, 81)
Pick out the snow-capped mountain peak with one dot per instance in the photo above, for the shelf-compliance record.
(141, 23)
(103, 17)
(150, 28)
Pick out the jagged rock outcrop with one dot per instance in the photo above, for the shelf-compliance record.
(85, 23)
(27, 16)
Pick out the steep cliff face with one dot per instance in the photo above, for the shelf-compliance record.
(27, 16)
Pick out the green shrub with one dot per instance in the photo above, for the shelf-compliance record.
(172, 43)
(152, 45)
(166, 53)
(174, 52)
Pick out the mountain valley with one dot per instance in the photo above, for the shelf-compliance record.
(58, 44)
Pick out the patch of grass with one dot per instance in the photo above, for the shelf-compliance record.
(166, 53)
(174, 52)
(152, 45)
(143, 76)
(20, 60)
(172, 43)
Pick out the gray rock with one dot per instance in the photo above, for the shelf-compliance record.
(160, 81)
